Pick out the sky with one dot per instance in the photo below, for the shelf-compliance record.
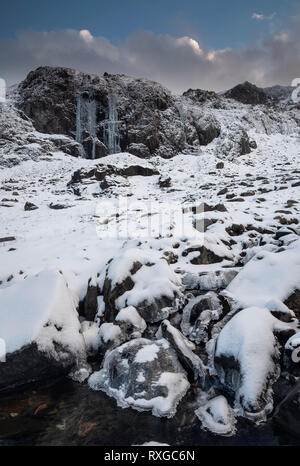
(210, 44)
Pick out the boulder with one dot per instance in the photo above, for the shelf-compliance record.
(199, 316)
(246, 360)
(144, 375)
(41, 331)
(184, 350)
(143, 279)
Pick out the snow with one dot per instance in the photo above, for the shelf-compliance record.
(129, 314)
(217, 417)
(109, 332)
(249, 338)
(147, 353)
(41, 309)
(268, 276)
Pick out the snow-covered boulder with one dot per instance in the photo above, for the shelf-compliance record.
(246, 360)
(40, 327)
(217, 416)
(143, 279)
(144, 375)
(269, 276)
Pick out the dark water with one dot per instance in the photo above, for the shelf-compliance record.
(66, 413)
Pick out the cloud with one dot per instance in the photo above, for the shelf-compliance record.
(260, 17)
(177, 62)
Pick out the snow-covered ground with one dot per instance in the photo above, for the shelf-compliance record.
(135, 220)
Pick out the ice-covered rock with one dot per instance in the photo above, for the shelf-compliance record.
(208, 281)
(217, 416)
(144, 375)
(199, 315)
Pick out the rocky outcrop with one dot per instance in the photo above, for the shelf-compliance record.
(247, 93)
(112, 113)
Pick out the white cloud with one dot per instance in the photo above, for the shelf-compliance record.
(260, 17)
(178, 63)
(86, 35)
(189, 42)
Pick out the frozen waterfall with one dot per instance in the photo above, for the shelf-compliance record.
(111, 127)
(86, 121)
(86, 118)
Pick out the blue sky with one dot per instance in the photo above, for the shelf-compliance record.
(210, 44)
(219, 23)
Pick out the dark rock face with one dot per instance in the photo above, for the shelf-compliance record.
(90, 302)
(247, 93)
(29, 365)
(184, 350)
(111, 113)
(287, 414)
(293, 302)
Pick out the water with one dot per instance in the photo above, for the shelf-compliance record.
(67, 413)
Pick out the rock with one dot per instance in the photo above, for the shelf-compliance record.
(217, 417)
(90, 303)
(208, 281)
(58, 206)
(164, 181)
(247, 93)
(145, 281)
(246, 360)
(139, 150)
(206, 254)
(147, 120)
(6, 239)
(253, 144)
(144, 375)
(30, 206)
(42, 335)
(235, 229)
(184, 350)
(293, 302)
(199, 316)
(94, 149)
(287, 413)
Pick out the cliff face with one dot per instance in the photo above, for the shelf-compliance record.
(112, 113)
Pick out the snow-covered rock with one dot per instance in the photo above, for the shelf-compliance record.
(141, 278)
(144, 375)
(217, 416)
(246, 360)
(40, 327)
